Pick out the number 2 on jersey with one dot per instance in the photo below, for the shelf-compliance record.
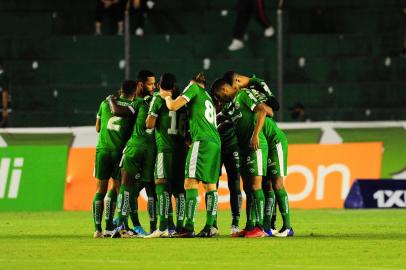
(112, 123)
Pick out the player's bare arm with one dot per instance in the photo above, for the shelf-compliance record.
(97, 125)
(261, 115)
(150, 122)
(173, 104)
(5, 104)
(118, 110)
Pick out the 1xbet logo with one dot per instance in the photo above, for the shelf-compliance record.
(10, 172)
(390, 198)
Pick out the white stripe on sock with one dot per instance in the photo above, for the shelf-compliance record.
(193, 159)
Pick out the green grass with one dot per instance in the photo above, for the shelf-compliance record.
(325, 239)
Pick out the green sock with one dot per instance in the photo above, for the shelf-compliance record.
(171, 225)
(180, 210)
(269, 208)
(190, 209)
(152, 212)
(211, 208)
(163, 205)
(259, 206)
(283, 204)
(249, 210)
(273, 219)
(110, 209)
(98, 205)
(123, 203)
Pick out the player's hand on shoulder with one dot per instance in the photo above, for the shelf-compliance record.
(165, 93)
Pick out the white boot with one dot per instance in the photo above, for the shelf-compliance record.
(235, 45)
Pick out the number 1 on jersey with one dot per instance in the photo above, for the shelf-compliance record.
(172, 130)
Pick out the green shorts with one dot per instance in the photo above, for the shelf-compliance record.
(278, 159)
(203, 161)
(170, 166)
(254, 163)
(139, 161)
(106, 165)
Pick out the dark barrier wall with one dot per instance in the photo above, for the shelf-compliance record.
(377, 194)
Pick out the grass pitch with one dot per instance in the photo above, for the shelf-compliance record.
(325, 239)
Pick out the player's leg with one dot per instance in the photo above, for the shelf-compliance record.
(279, 155)
(257, 171)
(176, 183)
(270, 203)
(161, 189)
(147, 176)
(137, 228)
(102, 172)
(130, 164)
(111, 203)
(231, 163)
(207, 170)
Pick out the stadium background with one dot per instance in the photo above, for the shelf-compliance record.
(341, 60)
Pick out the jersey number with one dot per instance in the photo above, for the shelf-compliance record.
(210, 113)
(112, 123)
(172, 130)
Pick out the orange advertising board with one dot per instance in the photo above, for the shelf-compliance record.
(319, 176)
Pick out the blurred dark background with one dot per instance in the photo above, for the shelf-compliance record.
(342, 59)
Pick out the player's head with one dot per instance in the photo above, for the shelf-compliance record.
(200, 79)
(128, 88)
(167, 82)
(146, 82)
(222, 91)
(236, 80)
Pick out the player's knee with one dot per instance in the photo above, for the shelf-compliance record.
(277, 183)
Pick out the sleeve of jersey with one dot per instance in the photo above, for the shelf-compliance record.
(99, 113)
(190, 92)
(250, 100)
(155, 106)
(133, 107)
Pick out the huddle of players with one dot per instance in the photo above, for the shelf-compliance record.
(151, 132)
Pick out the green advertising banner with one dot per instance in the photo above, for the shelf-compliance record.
(32, 177)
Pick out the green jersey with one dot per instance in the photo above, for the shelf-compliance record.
(114, 130)
(226, 127)
(246, 118)
(141, 135)
(271, 130)
(201, 113)
(169, 125)
(256, 82)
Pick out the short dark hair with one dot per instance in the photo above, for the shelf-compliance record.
(229, 77)
(216, 86)
(167, 81)
(128, 87)
(143, 75)
(200, 78)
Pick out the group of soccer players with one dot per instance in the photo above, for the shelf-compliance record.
(168, 142)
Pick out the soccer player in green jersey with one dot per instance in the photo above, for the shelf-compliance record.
(203, 159)
(250, 117)
(277, 156)
(139, 154)
(230, 157)
(170, 159)
(113, 134)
